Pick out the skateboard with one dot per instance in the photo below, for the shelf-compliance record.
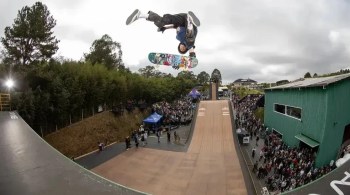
(173, 60)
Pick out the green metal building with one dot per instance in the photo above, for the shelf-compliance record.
(312, 113)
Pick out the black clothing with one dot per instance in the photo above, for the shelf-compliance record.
(178, 20)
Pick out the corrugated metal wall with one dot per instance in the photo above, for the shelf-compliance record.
(338, 116)
(312, 101)
(325, 113)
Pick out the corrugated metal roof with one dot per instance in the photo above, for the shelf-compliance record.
(313, 82)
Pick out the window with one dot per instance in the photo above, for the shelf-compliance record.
(294, 112)
(280, 108)
(288, 110)
(278, 134)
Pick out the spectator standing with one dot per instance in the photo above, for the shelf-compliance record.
(100, 146)
(158, 135)
(136, 140)
(261, 155)
(257, 140)
(255, 167)
(145, 134)
(168, 135)
(175, 136)
(127, 142)
(143, 138)
(253, 152)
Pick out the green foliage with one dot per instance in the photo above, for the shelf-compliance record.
(148, 71)
(282, 82)
(203, 78)
(259, 113)
(341, 71)
(103, 52)
(216, 76)
(30, 39)
(186, 75)
(63, 91)
(265, 85)
(26, 102)
(243, 91)
(307, 75)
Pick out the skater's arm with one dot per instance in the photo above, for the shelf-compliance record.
(168, 26)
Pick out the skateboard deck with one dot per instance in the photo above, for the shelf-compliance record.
(173, 60)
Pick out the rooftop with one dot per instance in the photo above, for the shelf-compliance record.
(313, 82)
(244, 81)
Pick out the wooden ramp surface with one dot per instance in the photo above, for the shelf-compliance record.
(210, 166)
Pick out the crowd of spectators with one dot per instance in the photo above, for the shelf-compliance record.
(280, 167)
(285, 168)
(176, 113)
(244, 115)
(179, 112)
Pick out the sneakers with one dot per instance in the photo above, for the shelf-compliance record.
(134, 16)
(193, 19)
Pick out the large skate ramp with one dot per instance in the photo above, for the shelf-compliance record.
(28, 165)
(210, 165)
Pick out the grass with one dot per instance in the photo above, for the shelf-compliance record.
(82, 137)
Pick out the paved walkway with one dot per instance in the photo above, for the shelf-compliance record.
(246, 150)
(96, 158)
(210, 165)
(246, 153)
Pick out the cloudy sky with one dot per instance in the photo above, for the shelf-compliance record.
(264, 40)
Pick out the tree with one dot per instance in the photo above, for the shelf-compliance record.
(216, 76)
(103, 52)
(25, 106)
(307, 75)
(30, 39)
(282, 82)
(148, 71)
(203, 77)
(315, 75)
(186, 75)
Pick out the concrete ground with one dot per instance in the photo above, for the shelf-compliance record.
(246, 151)
(96, 158)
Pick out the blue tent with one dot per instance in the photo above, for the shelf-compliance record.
(153, 118)
(194, 93)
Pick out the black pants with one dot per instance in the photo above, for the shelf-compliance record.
(176, 19)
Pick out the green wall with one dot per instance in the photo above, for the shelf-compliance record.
(312, 101)
(325, 113)
(338, 116)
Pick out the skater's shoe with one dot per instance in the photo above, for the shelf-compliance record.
(134, 16)
(193, 19)
(153, 17)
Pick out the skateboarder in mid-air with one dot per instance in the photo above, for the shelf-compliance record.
(185, 25)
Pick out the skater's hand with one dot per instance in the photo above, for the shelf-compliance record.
(162, 29)
(192, 54)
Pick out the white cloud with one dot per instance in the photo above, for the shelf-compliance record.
(333, 36)
(265, 40)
